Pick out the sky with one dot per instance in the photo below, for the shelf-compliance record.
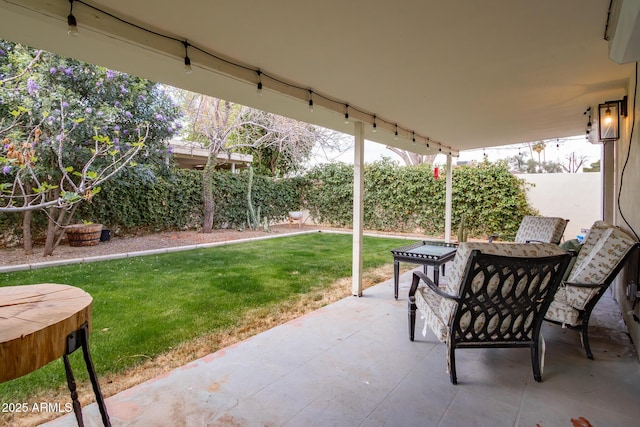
(556, 150)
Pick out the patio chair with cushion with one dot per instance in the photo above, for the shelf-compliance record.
(538, 229)
(496, 296)
(603, 254)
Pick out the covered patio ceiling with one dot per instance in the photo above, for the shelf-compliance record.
(457, 75)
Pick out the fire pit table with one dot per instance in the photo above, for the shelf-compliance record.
(425, 253)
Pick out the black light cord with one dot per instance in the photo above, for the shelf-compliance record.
(624, 167)
(262, 74)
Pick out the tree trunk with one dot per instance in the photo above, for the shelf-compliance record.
(49, 244)
(27, 239)
(55, 228)
(207, 193)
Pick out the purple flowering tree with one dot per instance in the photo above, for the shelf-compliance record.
(66, 128)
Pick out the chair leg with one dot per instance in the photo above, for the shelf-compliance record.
(584, 337)
(412, 320)
(451, 360)
(535, 362)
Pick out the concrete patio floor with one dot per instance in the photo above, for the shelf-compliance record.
(351, 364)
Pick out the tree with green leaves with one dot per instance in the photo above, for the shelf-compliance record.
(281, 145)
(593, 167)
(68, 127)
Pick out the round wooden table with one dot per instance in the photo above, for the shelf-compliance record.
(41, 323)
(34, 323)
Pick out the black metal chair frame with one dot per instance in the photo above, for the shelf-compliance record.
(494, 306)
(585, 314)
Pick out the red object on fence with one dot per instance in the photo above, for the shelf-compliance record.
(436, 173)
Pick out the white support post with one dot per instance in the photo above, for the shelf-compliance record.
(609, 182)
(358, 209)
(448, 201)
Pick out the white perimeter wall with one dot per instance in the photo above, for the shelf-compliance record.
(574, 196)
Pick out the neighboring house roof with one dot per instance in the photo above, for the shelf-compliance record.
(193, 155)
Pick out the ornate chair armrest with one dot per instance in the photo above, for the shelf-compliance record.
(417, 275)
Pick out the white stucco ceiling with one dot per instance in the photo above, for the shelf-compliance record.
(465, 73)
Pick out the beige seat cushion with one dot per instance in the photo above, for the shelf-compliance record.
(560, 310)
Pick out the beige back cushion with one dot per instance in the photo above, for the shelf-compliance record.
(596, 262)
(541, 229)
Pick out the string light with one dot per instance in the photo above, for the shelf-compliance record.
(187, 60)
(73, 30)
(413, 137)
(71, 22)
(259, 88)
(346, 114)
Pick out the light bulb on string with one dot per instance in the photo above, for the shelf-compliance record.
(395, 135)
(311, 101)
(72, 24)
(413, 137)
(259, 88)
(187, 60)
(375, 126)
(346, 114)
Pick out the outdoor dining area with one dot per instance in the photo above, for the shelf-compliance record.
(511, 307)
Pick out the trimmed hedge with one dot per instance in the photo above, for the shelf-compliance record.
(397, 198)
(409, 198)
(145, 201)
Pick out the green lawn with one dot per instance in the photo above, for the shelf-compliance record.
(152, 303)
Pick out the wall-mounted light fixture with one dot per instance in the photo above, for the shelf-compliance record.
(609, 115)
